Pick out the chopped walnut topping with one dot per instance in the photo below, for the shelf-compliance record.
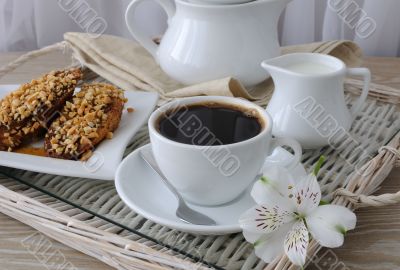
(78, 126)
(110, 135)
(27, 110)
(32, 97)
(86, 155)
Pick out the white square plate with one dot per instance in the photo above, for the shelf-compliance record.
(108, 154)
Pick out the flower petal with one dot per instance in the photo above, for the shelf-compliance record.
(306, 194)
(264, 219)
(329, 223)
(252, 237)
(270, 246)
(274, 188)
(296, 243)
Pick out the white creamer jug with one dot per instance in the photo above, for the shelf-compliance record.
(308, 103)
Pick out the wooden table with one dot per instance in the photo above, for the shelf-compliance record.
(375, 244)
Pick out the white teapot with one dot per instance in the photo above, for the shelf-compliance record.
(211, 41)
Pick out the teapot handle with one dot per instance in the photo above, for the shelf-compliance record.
(142, 38)
(366, 74)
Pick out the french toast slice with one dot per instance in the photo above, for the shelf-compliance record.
(26, 112)
(91, 117)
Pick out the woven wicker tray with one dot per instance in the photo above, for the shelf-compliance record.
(90, 217)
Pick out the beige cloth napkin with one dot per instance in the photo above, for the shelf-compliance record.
(129, 66)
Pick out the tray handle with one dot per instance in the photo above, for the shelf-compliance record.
(360, 200)
(60, 46)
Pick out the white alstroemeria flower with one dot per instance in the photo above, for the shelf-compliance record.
(288, 210)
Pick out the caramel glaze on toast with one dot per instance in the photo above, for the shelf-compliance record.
(91, 117)
(27, 112)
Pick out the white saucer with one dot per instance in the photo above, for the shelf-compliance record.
(142, 190)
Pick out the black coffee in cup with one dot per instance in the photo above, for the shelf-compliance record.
(210, 123)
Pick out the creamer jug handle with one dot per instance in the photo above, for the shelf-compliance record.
(137, 33)
(366, 74)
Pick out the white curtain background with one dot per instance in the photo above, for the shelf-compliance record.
(31, 24)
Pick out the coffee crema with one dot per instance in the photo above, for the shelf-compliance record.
(210, 123)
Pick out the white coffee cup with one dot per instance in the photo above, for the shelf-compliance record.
(217, 174)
